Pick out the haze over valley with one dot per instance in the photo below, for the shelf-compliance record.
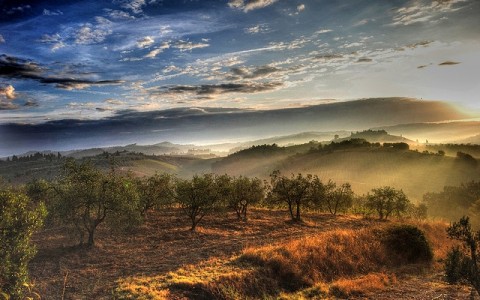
(239, 149)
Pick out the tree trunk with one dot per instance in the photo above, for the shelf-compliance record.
(194, 224)
(298, 212)
(91, 241)
(290, 209)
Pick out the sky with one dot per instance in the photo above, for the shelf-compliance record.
(92, 60)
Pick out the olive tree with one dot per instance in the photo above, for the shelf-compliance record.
(387, 200)
(295, 192)
(86, 197)
(244, 193)
(19, 219)
(197, 197)
(155, 191)
(339, 198)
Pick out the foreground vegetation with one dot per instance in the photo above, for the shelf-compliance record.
(302, 257)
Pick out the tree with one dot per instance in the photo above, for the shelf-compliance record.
(197, 197)
(463, 263)
(293, 191)
(245, 192)
(19, 219)
(339, 198)
(86, 198)
(386, 200)
(155, 191)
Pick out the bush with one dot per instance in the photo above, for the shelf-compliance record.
(454, 265)
(408, 244)
(19, 219)
(463, 263)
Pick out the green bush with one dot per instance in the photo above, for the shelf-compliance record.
(455, 265)
(19, 219)
(408, 244)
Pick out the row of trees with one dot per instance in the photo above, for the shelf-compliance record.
(84, 197)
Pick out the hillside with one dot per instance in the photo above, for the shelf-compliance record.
(364, 167)
(163, 260)
(376, 136)
(434, 132)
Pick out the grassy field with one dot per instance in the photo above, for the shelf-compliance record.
(268, 257)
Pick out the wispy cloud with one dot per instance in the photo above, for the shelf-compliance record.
(217, 89)
(248, 5)
(18, 68)
(189, 46)
(419, 11)
(47, 12)
(260, 28)
(134, 5)
(158, 50)
(145, 42)
(91, 34)
(2, 39)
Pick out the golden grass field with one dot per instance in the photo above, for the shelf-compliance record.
(325, 257)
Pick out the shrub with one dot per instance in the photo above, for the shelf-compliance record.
(19, 219)
(463, 264)
(408, 244)
(455, 265)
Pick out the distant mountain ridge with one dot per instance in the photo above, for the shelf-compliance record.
(209, 125)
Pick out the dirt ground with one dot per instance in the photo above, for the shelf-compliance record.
(164, 244)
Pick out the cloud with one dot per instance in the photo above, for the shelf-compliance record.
(118, 14)
(329, 56)
(18, 9)
(216, 89)
(8, 91)
(47, 12)
(158, 50)
(364, 59)
(260, 28)
(2, 40)
(425, 43)
(134, 5)
(54, 39)
(363, 22)
(91, 34)
(14, 67)
(7, 94)
(189, 46)
(323, 31)
(253, 73)
(145, 42)
(420, 11)
(448, 63)
(248, 5)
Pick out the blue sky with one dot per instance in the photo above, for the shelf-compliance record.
(90, 60)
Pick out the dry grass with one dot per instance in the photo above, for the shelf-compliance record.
(226, 259)
(362, 286)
